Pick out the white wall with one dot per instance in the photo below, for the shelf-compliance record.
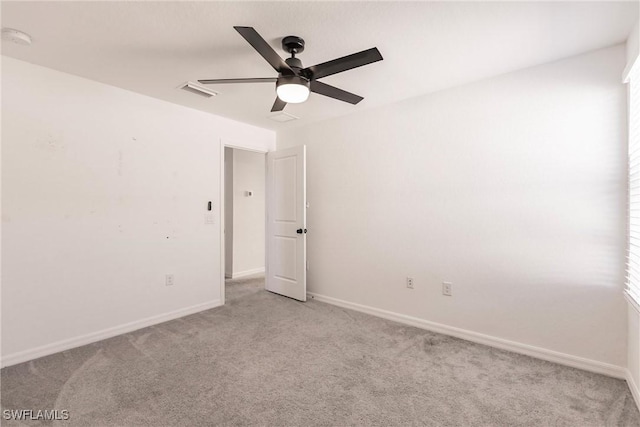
(512, 188)
(104, 192)
(248, 212)
(228, 211)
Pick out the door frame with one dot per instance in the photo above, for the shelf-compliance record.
(239, 146)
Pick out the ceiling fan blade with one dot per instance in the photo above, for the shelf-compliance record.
(278, 105)
(264, 49)
(334, 92)
(222, 81)
(343, 64)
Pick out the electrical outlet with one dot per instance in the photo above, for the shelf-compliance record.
(447, 288)
(410, 282)
(168, 280)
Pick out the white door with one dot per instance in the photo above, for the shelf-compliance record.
(286, 272)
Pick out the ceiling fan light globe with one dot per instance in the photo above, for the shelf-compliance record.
(292, 89)
(292, 93)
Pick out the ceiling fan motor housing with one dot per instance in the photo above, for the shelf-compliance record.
(294, 63)
(292, 80)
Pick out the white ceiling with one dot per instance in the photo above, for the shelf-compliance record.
(153, 47)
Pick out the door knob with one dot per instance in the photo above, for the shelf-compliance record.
(300, 231)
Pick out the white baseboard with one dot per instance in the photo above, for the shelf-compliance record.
(245, 273)
(516, 347)
(45, 350)
(633, 387)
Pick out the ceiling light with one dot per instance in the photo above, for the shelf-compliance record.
(16, 36)
(292, 89)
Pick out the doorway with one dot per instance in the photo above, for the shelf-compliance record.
(244, 215)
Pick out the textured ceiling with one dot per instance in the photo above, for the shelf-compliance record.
(153, 47)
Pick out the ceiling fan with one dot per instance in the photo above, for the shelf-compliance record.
(294, 83)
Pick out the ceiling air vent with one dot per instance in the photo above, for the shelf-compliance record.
(197, 89)
(283, 117)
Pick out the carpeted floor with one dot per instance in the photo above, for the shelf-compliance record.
(267, 360)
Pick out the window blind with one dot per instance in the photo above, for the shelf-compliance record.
(633, 258)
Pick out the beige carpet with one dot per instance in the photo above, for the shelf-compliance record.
(267, 360)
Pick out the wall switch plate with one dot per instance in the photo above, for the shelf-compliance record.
(447, 288)
(168, 280)
(410, 282)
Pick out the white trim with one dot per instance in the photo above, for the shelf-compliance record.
(56, 347)
(632, 45)
(246, 273)
(516, 347)
(632, 302)
(629, 69)
(635, 391)
(223, 237)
